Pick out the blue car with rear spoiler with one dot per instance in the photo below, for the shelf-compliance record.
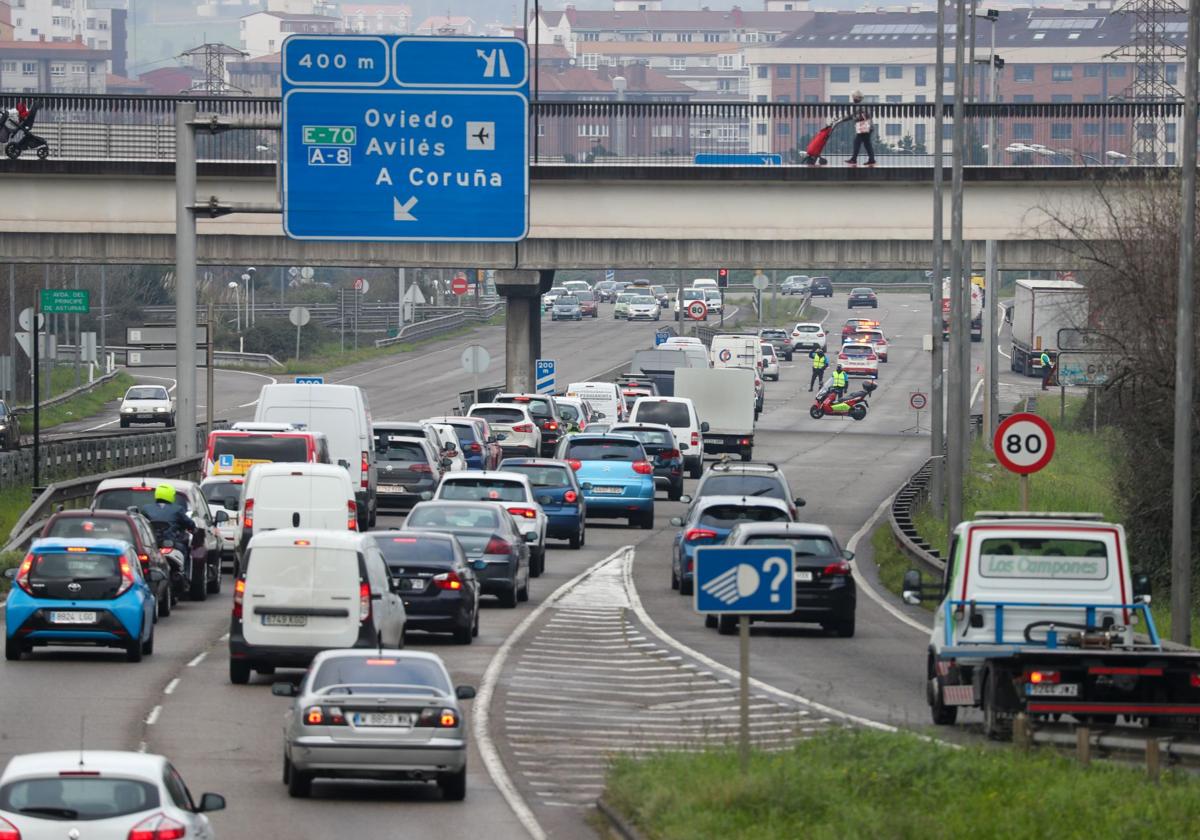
(616, 477)
(560, 494)
(80, 592)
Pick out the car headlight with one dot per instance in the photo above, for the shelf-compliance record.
(159, 408)
(126, 410)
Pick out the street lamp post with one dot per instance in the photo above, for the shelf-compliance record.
(249, 278)
(237, 303)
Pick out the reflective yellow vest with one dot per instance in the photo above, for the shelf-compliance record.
(839, 379)
(819, 362)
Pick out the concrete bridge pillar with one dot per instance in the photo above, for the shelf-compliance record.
(522, 291)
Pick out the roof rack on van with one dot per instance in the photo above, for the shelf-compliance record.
(1038, 514)
(255, 426)
(727, 463)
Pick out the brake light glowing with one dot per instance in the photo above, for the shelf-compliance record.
(320, 716)
(144, 559)
(248, 514)
(497, 546)
(435, 717)
(239, 596)
(314, 716)
(523, 428)
(1194, 679)
(126, 574)
(421, 468)
(476, 448)
(364, 601)
(447, 580)
(351, 515)
(166, 549)
(76, 548)
(523, 512)
(837, 569)
(842, 356)
(301, 542)
(550, 426)
(574, 464)
(695, 534)
(1043, 677)
(404, 539)
(365, 481)
(642, 467)
(8, 831)
(570, 497)
(158, 827)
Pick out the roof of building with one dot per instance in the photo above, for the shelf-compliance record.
(648, 48)
(289, 16)
(115, 83)
(684, 20)
(375, 9)
(638, 77)
(433, 24)
(269, 61)
(53, 49)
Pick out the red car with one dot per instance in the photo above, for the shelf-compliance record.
(587, 304)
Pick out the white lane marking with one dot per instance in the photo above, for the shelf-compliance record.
(101, 426)
(759, 685)
(197, 659)
(272, 379)
(152, 718)
(160, 379)
(171, 686)
(143, 746)
(975, 391)
(487, 688)
(852, 544)
(224, 638)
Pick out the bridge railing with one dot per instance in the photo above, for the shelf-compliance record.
(141, 128)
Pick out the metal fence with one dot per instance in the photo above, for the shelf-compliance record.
(141, 128)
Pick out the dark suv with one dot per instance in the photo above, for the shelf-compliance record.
(746, 478)
(821, 287)
(132, 528)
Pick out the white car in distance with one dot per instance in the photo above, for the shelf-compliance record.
(147, 404)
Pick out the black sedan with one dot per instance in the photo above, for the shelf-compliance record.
(430, 571)
(825, 590)
(408, 467)
(862, 297)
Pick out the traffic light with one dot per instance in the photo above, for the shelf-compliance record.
(723, 277)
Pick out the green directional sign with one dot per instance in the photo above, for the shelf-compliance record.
(330, 135)
(65, 300)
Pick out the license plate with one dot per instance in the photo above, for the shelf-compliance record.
(804, 577)
(392, 488)
(608, 491)
(285, 620)
(412, 584)
(72, 617)
(393, 719)
(1059, 690)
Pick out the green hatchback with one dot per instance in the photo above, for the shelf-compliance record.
(621, 310)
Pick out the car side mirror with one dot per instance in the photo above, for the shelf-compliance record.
(211, 802)
(448, 447)
(446, 463)
(677, 521)
(1141, 588)
(11, 574)
(464, 692)
(847, 554)
(221, 516)
(799, 502)
(343, 463)
(686, 499)
(283, 689)
(704, 427)
(426, 495)
(912, 589)
(531, 537)
(492, 438)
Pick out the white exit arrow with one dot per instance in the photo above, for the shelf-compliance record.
(400, 211)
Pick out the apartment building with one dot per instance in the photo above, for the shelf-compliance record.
(52, 67)
(263, 33)
(716, 72)
(376, 18)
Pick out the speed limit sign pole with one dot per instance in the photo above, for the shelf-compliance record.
(1023, 444)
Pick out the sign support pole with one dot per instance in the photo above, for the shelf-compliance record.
(185, 280)
(744, 692)
(1024, 493)
(35, 331)
(211, 330)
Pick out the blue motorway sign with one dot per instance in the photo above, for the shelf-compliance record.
(544, 374)
(405, 138)
(661, 337)
(310, 380)
(765, 159)
(745, 580)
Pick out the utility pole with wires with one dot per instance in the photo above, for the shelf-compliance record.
(1156, 41)
(211, 58)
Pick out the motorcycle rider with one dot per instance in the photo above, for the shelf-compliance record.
(178, 525)
(839, 381)
(819, 363)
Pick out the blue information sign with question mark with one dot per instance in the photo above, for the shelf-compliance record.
(745, 580)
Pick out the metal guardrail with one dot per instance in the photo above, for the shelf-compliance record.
(654, 134)
(223, 358)
(439, 325)
(911, 495)
(66, 395)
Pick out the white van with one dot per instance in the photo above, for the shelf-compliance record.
(705, 283)
(305, 591)
(741, 350)
(343, 414)
(604, 397)
(276, 496)
(680, 414)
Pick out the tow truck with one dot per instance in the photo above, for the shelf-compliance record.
(1039, 613)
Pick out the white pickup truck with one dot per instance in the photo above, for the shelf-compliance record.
(1041, 614)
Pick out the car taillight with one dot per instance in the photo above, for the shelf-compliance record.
(670, 454)
(695, 439)
(1043, 677)
(438, 717)
(351, 516)
(550, 426)
(166, 549)
(871, 357)
(694, 534)
(157, 827)
(248, 514)
(842, 356)
(523, 512)
(126, 575)
(476, 448)
(497, 546)
(573, 464)
(523, 428)
(642, 467)
(324, 716)
(22, 577)
(570, 497)
(1194, 679)
(447, 580)
(841, 567)
(239, 596)
(421, 468)
(365, 481)
(364, 601)
(8, 831)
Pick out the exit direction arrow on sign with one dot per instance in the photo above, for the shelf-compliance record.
(405, 138)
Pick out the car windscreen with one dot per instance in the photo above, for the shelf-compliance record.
(771, 334)
(149, 392)
(567, 300)
(74, 565)
(540, 475)
(693, 294)
(503, 416)
(99, 528)
(453, 516)
(568, 412)
(726, 516)
(73, 798)
(394, 448)
(624, 297)
(652, 437)
(280, 450)
(735, 484)
(856, 350)
(482, 490)
(804, 546)
(398, 549)
(644, 300)
(378, 673)
(218, 492)
(808, 328)
(860, 291)
(123, 498)
(1051, 558)
(465, 434)
(672, 414)
(585, 296)
(538, 408)
(610, 449)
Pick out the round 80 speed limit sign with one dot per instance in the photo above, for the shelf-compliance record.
(1024, 443)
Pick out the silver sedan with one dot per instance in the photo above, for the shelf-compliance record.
(375, 714)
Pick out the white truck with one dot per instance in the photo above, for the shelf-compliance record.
(724, 398)
(1040, 309)
(1040, 614)
(977, 300)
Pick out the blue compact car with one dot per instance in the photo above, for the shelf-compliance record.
(80, 592)
(708, 522)
(558, 492)
(616, 477)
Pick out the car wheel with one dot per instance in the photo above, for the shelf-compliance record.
(164, 601)
(287, 769)
(464, 635)
(537, 562)
(509, 598)
(845, 628)
(453, 785)
(475, 628)
(675, 491)
(171, 422)
(523, 592)
(299, 783)
(696, 469)
(148, 645)
(133, 651)
(727, 625)
(198, 591)
(13, 650)
(674, 577)
(646, 520)
(710, 621)
(124, 424)
(746, 454)
(942, 714)
(685, 587)
(576, 541)
(214, 583)
(239, 672)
